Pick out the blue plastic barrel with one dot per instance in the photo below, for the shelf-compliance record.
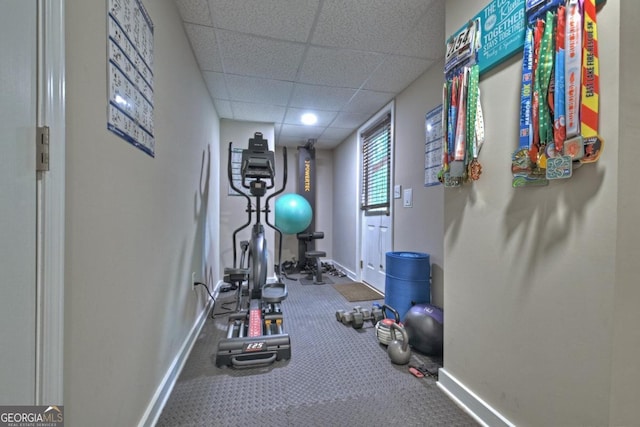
(407, 281)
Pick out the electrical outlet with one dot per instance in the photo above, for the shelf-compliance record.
(193, 281)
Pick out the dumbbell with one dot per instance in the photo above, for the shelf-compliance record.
(347, 317)
(358, 316)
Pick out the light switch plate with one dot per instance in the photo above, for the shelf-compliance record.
(397, 191)
(408, 198)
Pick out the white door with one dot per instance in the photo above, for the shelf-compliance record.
(17, 202)
(376, 242)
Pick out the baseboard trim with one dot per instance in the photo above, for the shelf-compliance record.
(152, 414)
(480, 410)
(350, 274)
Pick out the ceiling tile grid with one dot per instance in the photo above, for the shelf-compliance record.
(272, 60)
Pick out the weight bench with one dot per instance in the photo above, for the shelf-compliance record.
(313, 257)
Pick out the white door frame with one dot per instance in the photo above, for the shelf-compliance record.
(51, 206)
(390, 107)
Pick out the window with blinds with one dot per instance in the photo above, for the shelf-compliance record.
(376, 167)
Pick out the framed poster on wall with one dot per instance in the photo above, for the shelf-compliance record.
(130, 73)
(433, 146)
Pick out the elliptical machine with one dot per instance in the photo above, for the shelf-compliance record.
(255, 335)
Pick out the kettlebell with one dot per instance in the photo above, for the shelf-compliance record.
(399, 351)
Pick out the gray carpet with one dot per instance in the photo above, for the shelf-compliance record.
(337, 376)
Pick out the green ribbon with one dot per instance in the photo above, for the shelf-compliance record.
(543, 78)
(472, 106)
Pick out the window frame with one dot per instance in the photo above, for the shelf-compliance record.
(376, 154)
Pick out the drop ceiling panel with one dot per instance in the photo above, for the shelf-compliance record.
(299, 131)
(216, 84)
(427, 39)
(263, 91)
(259, 57)
(373, 25)
(283, 19)
(338, 67)
(203, 43)
(320, 97)
(257, 112)
(223, 107)
(195, 11)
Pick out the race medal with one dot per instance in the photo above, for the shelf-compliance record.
(559, 168)
(590, 86)
(475, 169)
(592, 149)
(574, 148)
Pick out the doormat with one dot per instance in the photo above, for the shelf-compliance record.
(357, 291)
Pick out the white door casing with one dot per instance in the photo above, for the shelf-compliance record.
(31, 203)
(376, 231)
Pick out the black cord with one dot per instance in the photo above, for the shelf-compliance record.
(213, 308)
(224, 305)
(206, 287)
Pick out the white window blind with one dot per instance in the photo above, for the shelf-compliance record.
(376, 167)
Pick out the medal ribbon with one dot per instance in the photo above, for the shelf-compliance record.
(572, 53)
(526, 90)
(535, 143)
(445, 130)
(453, 96)
(590, 73)
(478, 141)
(543, 75)
(460, 144)
(472, 106)
(560, 131)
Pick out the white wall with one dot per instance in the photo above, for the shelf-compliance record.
(136, 226)
(345, 204)
(421, 227)
(625, 375)
(531, 274)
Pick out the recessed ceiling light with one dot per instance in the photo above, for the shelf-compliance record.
(309, 119)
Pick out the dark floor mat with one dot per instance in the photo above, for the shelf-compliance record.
(357, 291)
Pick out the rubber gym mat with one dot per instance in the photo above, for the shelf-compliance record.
(357, 291)
(336, 376)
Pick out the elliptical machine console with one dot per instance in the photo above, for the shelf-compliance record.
(255, 334)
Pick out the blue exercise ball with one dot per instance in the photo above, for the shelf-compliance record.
(293, 213)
